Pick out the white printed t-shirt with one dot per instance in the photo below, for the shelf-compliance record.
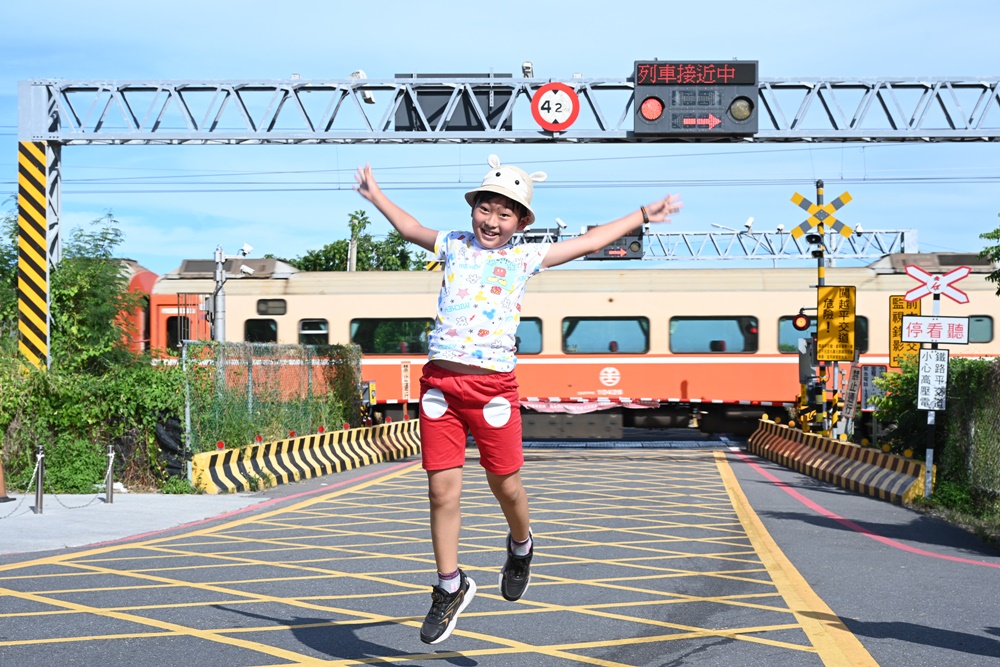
(480, 302)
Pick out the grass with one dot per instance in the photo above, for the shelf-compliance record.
(955, 504)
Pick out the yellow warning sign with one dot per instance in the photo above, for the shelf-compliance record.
(835, 323)
(898, 308)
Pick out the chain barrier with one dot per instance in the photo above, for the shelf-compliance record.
(38, 485)
(107, 489)
(27, 492)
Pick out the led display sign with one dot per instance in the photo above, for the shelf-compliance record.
(691, 98)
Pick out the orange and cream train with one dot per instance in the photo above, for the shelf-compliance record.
(653, 347)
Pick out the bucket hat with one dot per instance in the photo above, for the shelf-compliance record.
(509, 181)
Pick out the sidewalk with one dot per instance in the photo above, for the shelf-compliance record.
(81, 520)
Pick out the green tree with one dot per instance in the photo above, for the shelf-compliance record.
(97, 393)
(8, 267)
(390, 254)
(88, 290)
(992, 253)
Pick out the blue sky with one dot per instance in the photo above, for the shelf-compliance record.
(306, 194)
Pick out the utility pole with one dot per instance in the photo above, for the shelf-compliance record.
(219, 297)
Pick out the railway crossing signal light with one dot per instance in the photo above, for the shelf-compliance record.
(800, 322)
(695, 98)
(629, 246)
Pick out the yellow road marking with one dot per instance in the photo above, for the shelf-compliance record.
(836, 645)
(724, 512)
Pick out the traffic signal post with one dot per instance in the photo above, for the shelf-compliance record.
(835, 305)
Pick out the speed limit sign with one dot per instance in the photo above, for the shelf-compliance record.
(555, 106)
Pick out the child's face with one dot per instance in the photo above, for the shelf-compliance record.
(494, 221)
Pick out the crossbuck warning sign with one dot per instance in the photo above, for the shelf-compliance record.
(821, 214)
(938, 284)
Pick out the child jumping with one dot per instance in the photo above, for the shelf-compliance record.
(468, 384)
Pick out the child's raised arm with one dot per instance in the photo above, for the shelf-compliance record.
(408, 226)
(598, 237)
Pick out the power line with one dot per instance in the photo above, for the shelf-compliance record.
(631, 158)
(566, 186)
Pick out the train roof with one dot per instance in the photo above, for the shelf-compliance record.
(932, 262)
(269, 267)
(275, 277)
(265, 267)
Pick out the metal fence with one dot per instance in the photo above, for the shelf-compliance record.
(238, 393)
(974, 434)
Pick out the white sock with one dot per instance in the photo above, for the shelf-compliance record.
(450, 582)
(521, 548)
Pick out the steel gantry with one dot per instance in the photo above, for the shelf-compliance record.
(487, 108)
(731, 244)
(481, 109)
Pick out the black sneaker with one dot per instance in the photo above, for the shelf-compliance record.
(445, 608)
(516, 572)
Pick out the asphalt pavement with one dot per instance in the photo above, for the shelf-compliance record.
(912, 589)
(73, 521)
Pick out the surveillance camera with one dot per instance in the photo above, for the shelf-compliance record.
(858, 229)
(781, 228)
(527, 69)
(562, 225)
(366, 95)
(246, 270)
(749, 223)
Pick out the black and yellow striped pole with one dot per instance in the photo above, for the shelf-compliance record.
(821, 281)
(33, 253)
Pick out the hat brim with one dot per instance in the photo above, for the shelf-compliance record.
(470, 197)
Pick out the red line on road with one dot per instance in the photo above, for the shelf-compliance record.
(850, 524)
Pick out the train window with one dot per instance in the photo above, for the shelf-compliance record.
(314, 332)
(271, 307)
(980, 329)
(388, 335)
(260, 331)
(178, 329)
(529, 336)
(718, 335)
(788, 337)
(595, 335)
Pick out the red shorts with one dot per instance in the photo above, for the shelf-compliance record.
(453, 405)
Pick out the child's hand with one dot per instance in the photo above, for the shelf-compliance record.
(660, 211)
(366, 187)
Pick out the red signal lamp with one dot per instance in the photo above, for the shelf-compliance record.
(800, 322)
(651, 108)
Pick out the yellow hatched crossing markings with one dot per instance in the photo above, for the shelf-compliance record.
(622, 554)
(821, 214)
